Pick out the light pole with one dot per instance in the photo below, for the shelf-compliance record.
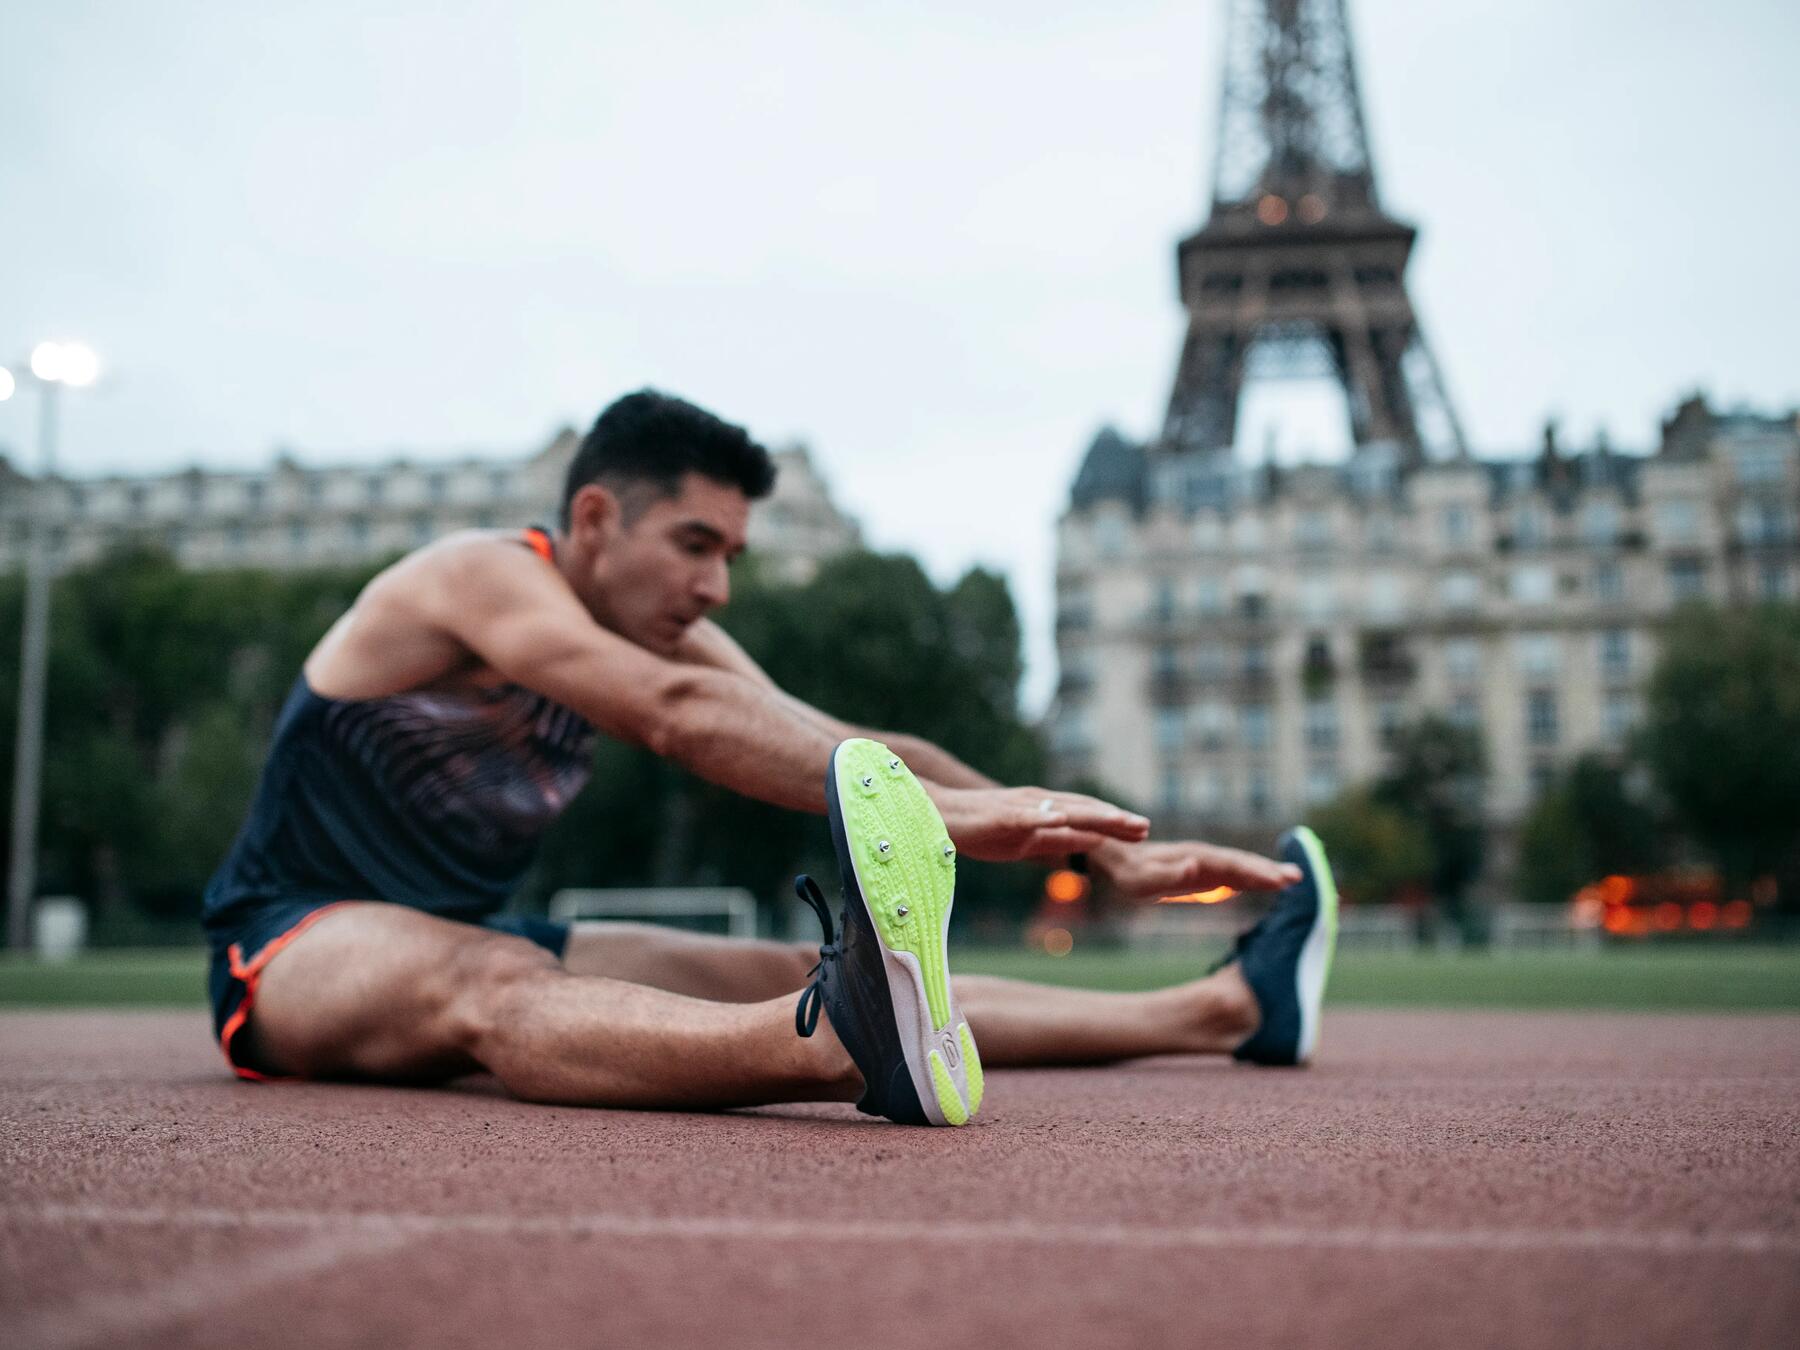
(52, 365)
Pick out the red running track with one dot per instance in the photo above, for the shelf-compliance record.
(1466, 1179)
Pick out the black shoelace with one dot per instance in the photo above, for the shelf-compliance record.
(812, 998)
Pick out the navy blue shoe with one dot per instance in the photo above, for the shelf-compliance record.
(883, 977)
(1286, 957)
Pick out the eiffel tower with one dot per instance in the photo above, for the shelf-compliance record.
(1298, 270)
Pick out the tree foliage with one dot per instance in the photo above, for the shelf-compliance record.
(1588, 825)
(1722, 735)
(1435, 779)
(1379, 854)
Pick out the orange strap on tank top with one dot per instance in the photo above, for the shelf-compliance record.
(538, 541)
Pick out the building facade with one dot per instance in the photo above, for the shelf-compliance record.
(293, 515)
(1239, 643)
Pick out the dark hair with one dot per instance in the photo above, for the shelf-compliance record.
(649, 440)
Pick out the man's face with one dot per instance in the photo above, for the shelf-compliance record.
(651, 579)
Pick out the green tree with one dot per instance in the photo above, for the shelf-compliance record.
(1588, 825)
(1379, 854)
(1435, 779)
(1722, 736)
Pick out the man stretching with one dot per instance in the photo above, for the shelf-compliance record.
(449, 716)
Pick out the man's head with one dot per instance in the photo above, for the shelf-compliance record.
(654, 508)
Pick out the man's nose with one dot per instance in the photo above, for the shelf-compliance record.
(714, 588)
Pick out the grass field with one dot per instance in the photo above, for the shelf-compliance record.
(1670, 979)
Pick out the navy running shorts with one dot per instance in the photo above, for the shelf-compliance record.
(238, 958)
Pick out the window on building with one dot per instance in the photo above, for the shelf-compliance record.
(437, 487)
(1760, 463)
(1763, 522)
(1618, 715)
(1600, 522)
(1687, 579)
(256, 494)
(1259, 797)
(194, 491)
(375, 489)
(1772, 581)
(422, 529)
(1110, 536)
(1677, 522)
(1537, 653)
(1206, 792)
(1380, 534)
(1386, 599)
(1211, 598)
(1531, 528)
(1171, 789)
(137, 497)
(1247, 532)
(1318, 597)
(1208, 531)
(1253, 724)
(1312, 530)
(1211, 661)
(1534, 584)
(1212, 724)
(1165, 662)
(297, 536)
(1542, 777)
(77, 499)
(500, 483)
(1458, 525)
(1256, 660)
(315, 489)
(1540, 716)
(1321, 780)
(484, 519)
(1465, 711)
(1170, 726)
(1074, 612)
(1321, 721)
(1462, 658)
(357, 529)
(1615, 653)
(1162, 601)
(1609, 583)
(1460, 591)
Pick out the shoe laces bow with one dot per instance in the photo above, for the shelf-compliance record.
(812, 998)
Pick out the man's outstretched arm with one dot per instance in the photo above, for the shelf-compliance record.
(521, 619)
(1137, 871)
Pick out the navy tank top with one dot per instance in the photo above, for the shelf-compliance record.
(428, 798)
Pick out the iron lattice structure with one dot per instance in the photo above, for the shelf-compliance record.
(1297, 268)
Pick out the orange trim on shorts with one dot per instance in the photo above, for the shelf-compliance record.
(538, 541)
(251, 975)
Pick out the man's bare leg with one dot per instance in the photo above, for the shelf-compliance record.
(382, 992)
(1016, 1024)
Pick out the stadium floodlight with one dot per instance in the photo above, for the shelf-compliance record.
(70, 363)
(47, 361)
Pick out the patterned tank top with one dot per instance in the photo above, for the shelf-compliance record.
(427, 798)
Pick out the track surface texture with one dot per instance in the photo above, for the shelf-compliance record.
(1467, 1179)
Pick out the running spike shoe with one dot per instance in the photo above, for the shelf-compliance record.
(1286, 957)
(883, 977)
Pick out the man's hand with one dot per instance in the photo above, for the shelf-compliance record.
(1139, 873)
(1008, 824)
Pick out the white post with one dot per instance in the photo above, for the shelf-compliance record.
(21, 879)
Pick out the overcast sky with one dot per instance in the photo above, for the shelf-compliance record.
(935, 241)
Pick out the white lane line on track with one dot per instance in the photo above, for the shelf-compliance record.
(1670, 1241)
(102, 1318)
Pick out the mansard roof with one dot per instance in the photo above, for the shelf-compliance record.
(1112, 470)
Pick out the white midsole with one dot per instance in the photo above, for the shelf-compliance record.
(1315, 959)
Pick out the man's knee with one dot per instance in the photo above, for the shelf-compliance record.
(485, 984)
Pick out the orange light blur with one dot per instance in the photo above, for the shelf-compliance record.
(1271, 210)
(1066, 887)
(1617, 920)
(1736, 914)
(1059, 942)
(1702, 915)
(1668, 916)
(1617, 890)
(1312, 208)
(1212, 897)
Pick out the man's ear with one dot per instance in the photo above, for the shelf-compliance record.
(595, 512)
